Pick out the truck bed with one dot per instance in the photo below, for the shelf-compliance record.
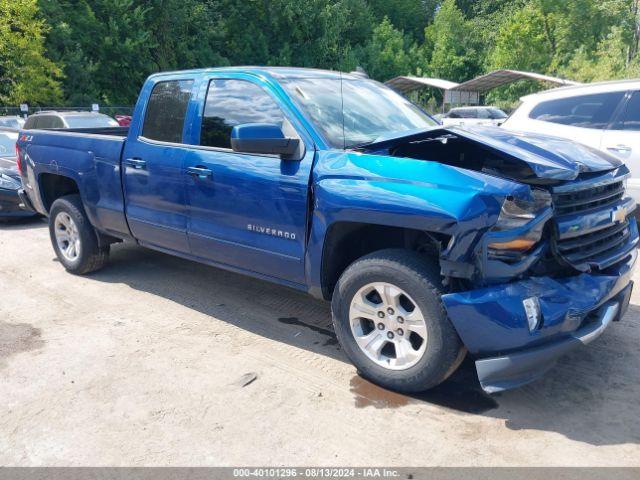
(111, 131)
(89, 156)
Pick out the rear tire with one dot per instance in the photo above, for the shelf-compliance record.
(74, 239)
(409, 354)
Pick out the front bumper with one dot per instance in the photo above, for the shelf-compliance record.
(492, 322)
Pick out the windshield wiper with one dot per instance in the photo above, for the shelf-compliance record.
(358, 145)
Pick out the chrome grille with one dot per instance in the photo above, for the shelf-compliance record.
(588, 198)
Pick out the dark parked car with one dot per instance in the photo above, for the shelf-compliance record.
(12, 121)
(10, 204)
(69, 120)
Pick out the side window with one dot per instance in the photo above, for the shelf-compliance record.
(630, 119)
(586, 111)
(166, 111)
(235, 102)
(467, 113)
(56, 122)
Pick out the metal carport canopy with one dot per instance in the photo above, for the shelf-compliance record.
(500, 77)
(479, 84)
(408, 84)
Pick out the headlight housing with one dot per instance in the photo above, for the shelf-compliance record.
(516, 212)
(8, 183)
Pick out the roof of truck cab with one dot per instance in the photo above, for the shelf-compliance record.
(275, 72)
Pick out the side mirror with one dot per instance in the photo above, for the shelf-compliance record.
(262, 138)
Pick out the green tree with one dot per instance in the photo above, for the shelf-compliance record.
(183, 34)
(609, 61)
(108, 47)
(409, 16)
(311, 33)
(103, 45)
(26, 75)
(453, 53)
(386, 56)
(522, 42)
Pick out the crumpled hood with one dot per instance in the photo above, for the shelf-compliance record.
(547, 157)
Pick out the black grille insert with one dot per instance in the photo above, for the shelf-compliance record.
(588, 198)
(594, 247)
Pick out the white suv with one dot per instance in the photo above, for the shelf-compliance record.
(602, 115)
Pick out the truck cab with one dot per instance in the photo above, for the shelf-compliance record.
(431, 242)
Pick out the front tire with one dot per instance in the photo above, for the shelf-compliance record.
(74, 239)
(391, 323)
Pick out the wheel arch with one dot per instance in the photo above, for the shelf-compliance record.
(53, 186)
(347, 241)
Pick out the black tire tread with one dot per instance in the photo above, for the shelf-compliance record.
(426, 271)
(95, 257)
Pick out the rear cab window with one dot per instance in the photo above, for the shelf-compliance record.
(586, 111)
(166, 111)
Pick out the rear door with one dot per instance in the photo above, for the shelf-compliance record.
(622, 139)
(247, 211)
(153, 165)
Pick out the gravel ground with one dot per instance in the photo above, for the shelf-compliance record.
(160, 361)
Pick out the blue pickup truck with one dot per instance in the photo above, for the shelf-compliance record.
(431, 243)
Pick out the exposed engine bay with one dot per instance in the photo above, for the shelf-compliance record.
(577, 219)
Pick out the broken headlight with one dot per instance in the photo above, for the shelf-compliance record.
(515, 214)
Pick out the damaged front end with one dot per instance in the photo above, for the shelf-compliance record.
(554, 269)
(560, 294)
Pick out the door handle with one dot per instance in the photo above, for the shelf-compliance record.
(620, 148)
(136, 163)
(201, 172)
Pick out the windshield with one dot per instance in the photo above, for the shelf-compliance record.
(94, 120)
(12, 122)
(8, 144)
(367, 108)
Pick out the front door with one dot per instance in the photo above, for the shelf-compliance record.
(246, 211)
(153, 166)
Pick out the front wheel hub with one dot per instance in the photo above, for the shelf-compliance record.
(395, 352)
